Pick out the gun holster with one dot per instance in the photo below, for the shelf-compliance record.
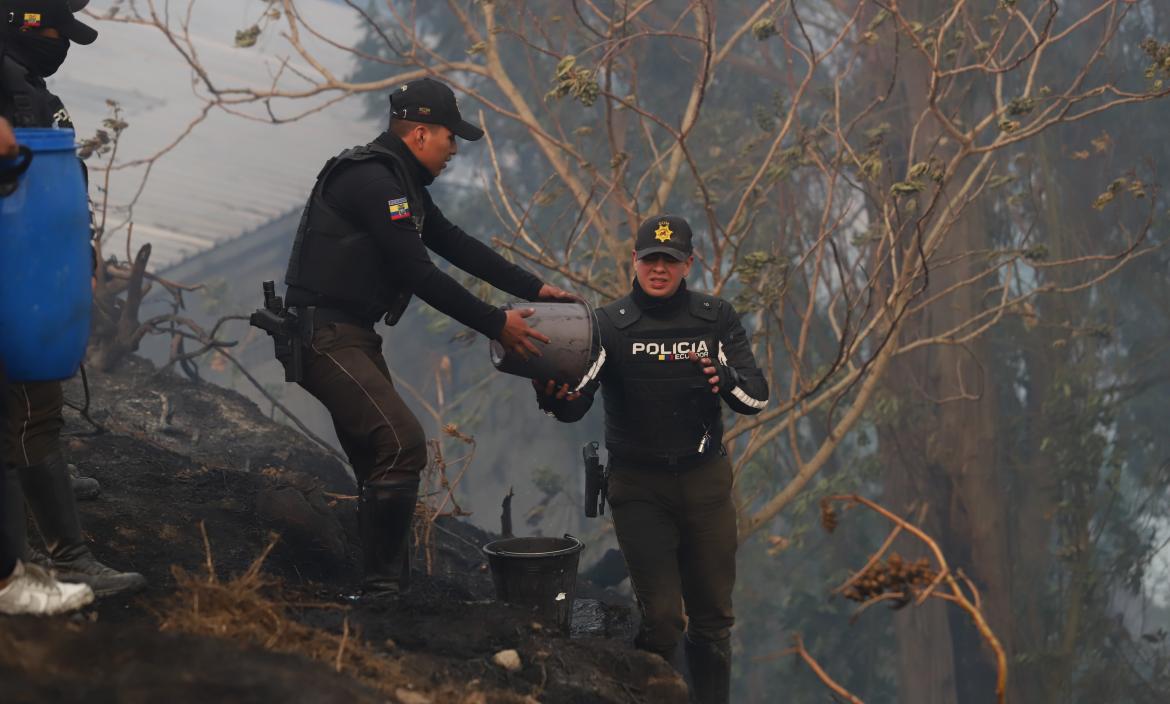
(291, 331)
(596, 481)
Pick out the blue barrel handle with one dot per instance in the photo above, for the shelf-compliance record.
(11, 173)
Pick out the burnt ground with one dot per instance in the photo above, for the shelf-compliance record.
(176, 459)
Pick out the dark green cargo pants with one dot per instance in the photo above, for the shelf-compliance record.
(345, 371)
(676, 528)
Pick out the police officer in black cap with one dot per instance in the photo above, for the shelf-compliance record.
(360, 255)
(35, 36)
(669, 355)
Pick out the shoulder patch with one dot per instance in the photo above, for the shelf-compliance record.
(399, 208)
(622, 313)
(705, 307)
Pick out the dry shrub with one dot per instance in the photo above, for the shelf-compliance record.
(252, 608)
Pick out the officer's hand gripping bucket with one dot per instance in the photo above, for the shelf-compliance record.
(45, 260)
(537, 572)
(575, 343)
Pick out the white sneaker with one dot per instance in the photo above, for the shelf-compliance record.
(34, 591)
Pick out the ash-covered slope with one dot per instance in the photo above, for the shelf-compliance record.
(173, 456)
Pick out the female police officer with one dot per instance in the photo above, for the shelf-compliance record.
(668, 356)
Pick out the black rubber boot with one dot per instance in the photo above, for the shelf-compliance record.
(49, 492)
(385, 512)
(710, 665)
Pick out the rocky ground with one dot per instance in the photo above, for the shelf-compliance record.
(196, 482)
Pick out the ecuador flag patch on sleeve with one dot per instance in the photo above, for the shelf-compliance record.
(399, 209)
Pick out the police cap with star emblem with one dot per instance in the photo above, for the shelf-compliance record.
(430, 101)
(24, 15)
(666, 234)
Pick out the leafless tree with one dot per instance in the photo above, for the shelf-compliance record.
(839, 238)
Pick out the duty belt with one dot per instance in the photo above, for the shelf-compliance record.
(324, 316)
(671, 460)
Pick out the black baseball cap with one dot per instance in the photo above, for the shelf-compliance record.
(58, 14)
(430, 101)
(666, 234)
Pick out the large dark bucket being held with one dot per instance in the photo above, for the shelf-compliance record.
(573, 350)
(538, 572)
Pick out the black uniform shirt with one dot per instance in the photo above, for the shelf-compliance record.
(25, 100)
(658, 403)
(371, 194)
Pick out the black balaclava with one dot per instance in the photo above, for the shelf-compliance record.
(40, 55)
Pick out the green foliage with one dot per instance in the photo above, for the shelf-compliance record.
(1134, 187)
(764, 278)
(881, 16)
(107, 136)
(906, 188)
(247, 37)
(1021, 105)
(580, 83)
(1158, 69)
(765, 29)
(999, 180)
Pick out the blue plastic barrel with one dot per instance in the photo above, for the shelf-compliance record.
(45, 262)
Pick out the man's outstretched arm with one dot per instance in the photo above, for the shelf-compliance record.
(449, 241)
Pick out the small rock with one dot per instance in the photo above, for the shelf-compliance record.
(507, 659)
(389, 644)
(405, 696)
(536, 627)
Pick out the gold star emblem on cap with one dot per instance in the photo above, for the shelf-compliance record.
(663, 233)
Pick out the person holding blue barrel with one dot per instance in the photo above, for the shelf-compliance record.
(45, 273)
(24, 589)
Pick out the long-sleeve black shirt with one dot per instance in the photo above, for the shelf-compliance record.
(364, 191)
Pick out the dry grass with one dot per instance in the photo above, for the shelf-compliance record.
(252, 609)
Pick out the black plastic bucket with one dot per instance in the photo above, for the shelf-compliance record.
(537, 572)
(574, 347)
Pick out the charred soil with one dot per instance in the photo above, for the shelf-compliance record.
(247, 533)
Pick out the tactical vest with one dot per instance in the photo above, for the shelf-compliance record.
(658, 403)
(25, 100)
(338, 261)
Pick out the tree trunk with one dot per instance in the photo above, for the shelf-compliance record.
(925, 662)
(948, 447)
